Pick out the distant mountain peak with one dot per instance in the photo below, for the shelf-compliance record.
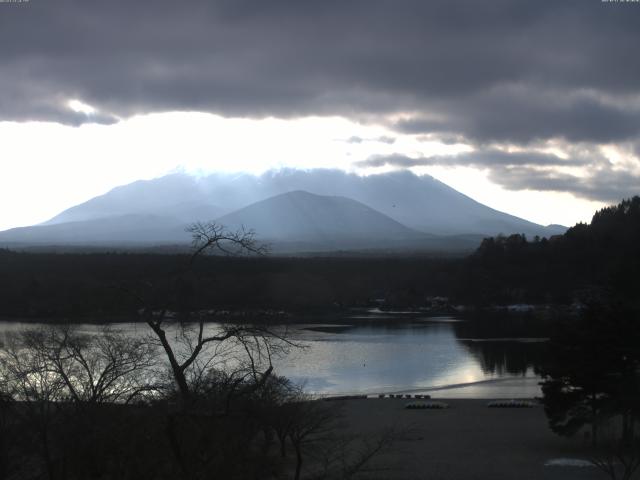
(299, 215)
(318, 204)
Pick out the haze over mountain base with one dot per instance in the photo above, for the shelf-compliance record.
(293, 210)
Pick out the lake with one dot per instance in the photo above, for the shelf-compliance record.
(373, 353)
(417, 355)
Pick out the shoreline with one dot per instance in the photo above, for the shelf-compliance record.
(522, 388)
(318, 316)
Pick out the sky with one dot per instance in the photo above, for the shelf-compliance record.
(532, 108)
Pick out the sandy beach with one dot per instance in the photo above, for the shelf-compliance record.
(467, 441)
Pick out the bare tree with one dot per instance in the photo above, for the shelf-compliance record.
(50, 369)
(310, 422)
(197, 348)
(247, 348)
(617, 454)
(209, 361)
(6, 432)
(28, 379)
(105, 367)
(212, 237)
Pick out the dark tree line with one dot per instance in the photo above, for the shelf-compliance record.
(592, 370)
(86, 286)
(592, 383)
(601, 258)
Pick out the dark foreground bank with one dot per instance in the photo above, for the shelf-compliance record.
(468, 440)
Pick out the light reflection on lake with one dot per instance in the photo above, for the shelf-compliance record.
(408, 356)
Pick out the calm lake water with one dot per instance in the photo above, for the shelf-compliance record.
(418, 356)
(371, 354)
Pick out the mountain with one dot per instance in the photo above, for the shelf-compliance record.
(320, 221)
(301, 220)
(307, 208)
(118, 229)
(176, 196)
(419, 202)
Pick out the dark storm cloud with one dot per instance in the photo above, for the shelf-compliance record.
(503, 70)
(526, 116)
(606, 184)
(482, 158)
(534, 171)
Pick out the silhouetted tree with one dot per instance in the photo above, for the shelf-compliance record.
(65, 383)
(28, 377)
(593, 373)
(7, 430)
(105, 367)
(211, 362)
(194, 341)
(618, 458)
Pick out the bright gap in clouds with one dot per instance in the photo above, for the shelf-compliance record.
(48, 167)
(80, 107)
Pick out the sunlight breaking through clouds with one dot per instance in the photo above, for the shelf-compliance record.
(81, 107)
(93, 158)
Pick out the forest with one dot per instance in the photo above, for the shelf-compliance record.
(596, 259)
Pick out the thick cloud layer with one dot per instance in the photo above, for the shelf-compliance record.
(607, 184)
(501, 70)
(478, 159)
(510, 72)
(598, 178)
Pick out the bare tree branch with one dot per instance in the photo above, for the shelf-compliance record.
(214, 237)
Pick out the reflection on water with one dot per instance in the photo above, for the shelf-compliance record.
(508, 356)
(441, 356)
(370, 359)
(505, 344)
(431, 355)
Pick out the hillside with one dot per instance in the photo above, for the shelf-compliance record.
(418, 202)
(297, 211)
(320, 221)
(133, 229)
